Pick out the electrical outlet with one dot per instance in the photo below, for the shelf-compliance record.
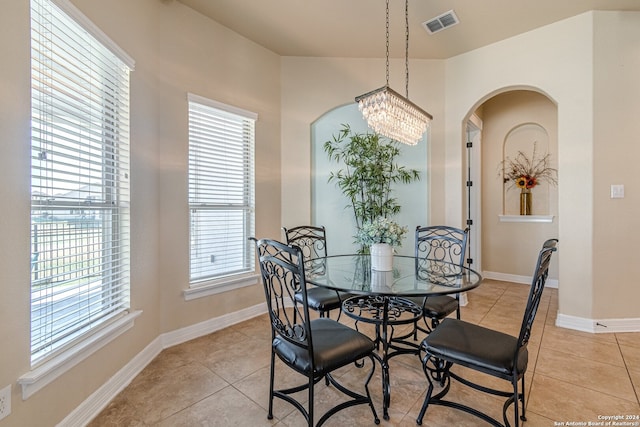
(5, 401)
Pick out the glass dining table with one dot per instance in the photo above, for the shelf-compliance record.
(388, 299)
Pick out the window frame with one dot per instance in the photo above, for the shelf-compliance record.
(200, 199)
(90, 336)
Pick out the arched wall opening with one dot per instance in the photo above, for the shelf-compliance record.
(329, 207)
(512, 119)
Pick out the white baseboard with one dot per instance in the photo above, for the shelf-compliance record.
(573, 322)
(525, 280)
(179, 336)
(464, 299)
(598, 325)
(95, 403)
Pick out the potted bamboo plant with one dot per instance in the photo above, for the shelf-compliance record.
(369, 169)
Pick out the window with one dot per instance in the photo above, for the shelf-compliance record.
(79, 178)
(221, 189)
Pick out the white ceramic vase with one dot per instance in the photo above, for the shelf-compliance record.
(381, 281)
(381, 257)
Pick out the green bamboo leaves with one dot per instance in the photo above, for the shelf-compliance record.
(369, 170)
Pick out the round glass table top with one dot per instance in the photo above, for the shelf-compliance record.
(409, 277)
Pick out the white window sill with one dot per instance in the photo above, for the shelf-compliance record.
(46, 373)
(218, 286)
(526, 218)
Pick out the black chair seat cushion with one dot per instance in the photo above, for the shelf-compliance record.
(475, 346)
(334, 345)
(440, 306)
(321, 299)
(437, 306)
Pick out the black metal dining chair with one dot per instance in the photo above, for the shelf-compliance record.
(456, 342)
(446, 246)
(312, 241)
(312, 347)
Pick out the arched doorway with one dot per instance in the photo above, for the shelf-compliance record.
(504, 243)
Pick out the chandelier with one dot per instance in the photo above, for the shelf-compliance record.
(389, 113)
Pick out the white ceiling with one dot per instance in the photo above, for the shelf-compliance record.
(356, 28)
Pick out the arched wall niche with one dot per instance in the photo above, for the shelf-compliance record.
(329, 207)
(531, 140)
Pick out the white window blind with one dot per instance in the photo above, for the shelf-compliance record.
(221, 189)
(79, 181)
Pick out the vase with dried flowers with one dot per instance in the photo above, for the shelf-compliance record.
(525, 173)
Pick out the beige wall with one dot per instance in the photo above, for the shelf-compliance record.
(176, 51)
(14, 190)
(616, 154)
(511, 247)
(588, 65)
(313, 86)
(179, 51)
(557, 61)
(199, 56)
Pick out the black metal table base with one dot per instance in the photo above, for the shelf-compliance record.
(385, 312)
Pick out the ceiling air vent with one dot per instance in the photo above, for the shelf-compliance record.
(439, 23)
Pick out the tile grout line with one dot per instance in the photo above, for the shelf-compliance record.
(499, 297)
(493, 305)
(229, 384)
(626, 367)
(567, 382)
(535, 365)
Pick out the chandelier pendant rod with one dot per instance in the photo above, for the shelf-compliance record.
(387, 38)
(385, 110)
(406, 50)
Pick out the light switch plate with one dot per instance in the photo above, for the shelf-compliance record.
(617, 191)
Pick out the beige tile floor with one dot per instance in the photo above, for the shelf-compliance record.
(222, 379)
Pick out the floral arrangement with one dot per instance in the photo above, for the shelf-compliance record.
(526, 173)
(381, 230)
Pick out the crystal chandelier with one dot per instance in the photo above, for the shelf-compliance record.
(389, 113)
